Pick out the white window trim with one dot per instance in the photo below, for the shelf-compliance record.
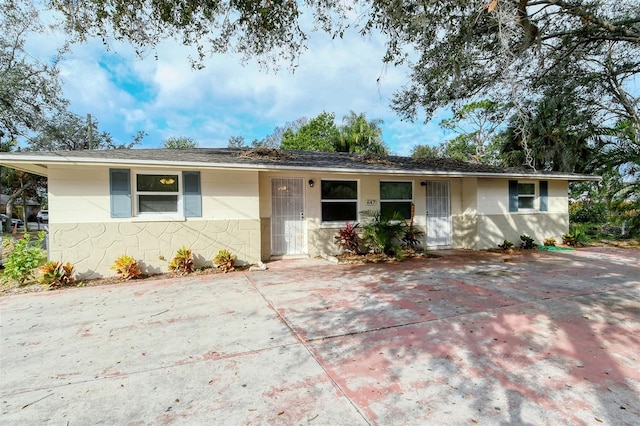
(338, 223)
(533, 196)
(413, 195)
(179, 214)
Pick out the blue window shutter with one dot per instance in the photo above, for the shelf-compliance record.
(120, 192)
(544, 195)
(513, 195)
(191, 195)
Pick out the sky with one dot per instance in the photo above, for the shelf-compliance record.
(165, 97)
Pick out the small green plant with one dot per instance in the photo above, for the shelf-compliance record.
(550, 242)
(182, 262)
(411, 237)
(506, 245)
(527, 242)
(127, 267)
(24, 258)
(56, 274)
(383, 233)
(225, 260)
(348, 239)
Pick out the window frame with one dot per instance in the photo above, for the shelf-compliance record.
(533, 196)
(411, 201)
(179, 193)
(356, 201)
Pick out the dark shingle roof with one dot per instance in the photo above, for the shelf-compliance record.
(265, 158)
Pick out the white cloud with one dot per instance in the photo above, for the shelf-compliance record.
(166, 97)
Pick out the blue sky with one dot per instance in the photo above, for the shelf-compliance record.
(165, 97)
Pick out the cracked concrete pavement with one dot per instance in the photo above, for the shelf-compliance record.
(469, 337)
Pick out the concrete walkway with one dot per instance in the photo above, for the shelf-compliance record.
(467, 338)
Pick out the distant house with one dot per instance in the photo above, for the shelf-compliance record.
(262, 204)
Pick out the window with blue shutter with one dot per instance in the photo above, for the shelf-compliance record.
(191, 194)
(544, 195)
(120, 192)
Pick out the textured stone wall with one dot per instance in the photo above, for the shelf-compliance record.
(93, 247)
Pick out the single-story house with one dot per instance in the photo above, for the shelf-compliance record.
(262, 204)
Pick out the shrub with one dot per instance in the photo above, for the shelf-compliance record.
(182, 262)
(411, 237)
(225, 260)
(506, 245)
(127, 267)
(527, 242)
(24, 258)
(587, 211)
(550, 242)
(576, 237)
(383, 233)
(56, 274)
(348, 239)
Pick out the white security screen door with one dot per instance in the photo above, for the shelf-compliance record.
(438, 214)
(288, 230)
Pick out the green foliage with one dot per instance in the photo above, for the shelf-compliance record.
(577, 236)
(425, 151)
(348, 239)
(556, 134)
(30, 90)
(225, 260)
(179, 143)
(506, 245)
(528, 243)
(318, 134)
(236, 142)
(550, 242)
(71, 132)
(476, 124)
(587, 211)
(411, 237)
(383, 233)
(127, 267)
(56, 274)
(362, 136)
(25, 257)
(182, 262)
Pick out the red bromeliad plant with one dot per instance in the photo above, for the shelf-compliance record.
(348, 239)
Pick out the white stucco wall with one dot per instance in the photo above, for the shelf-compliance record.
(496, 223)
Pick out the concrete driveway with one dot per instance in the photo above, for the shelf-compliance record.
(467, 338)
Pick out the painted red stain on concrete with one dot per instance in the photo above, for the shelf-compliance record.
(509, 338)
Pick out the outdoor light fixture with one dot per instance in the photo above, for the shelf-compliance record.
(167, 181)
(311, 183)
(423, 183)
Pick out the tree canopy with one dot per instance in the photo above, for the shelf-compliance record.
(70, 132)
(456, 49)
(29, 89)
(179, 143)
(357, 134)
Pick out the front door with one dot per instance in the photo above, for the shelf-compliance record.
(288, 230)
(438, 214)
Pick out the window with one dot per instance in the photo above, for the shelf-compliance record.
(339, 200)
(522, 195)
(158, 193)
(155, 193)
(396, 197)
(526, 195)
